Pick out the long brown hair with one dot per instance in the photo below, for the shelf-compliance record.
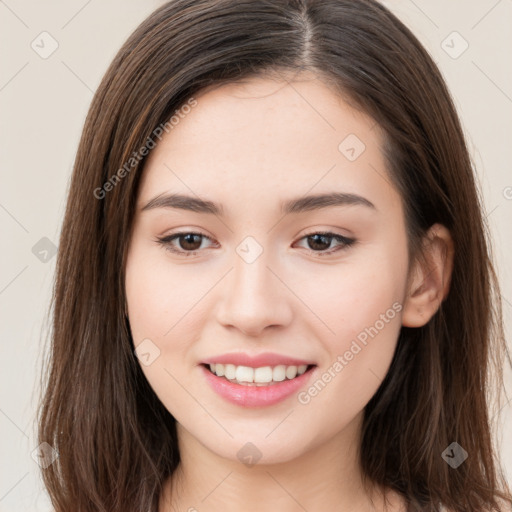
(117, 442)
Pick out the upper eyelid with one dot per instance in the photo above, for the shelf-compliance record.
(309, 233)
(183, 233)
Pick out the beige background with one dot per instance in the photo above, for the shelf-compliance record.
(44, 102)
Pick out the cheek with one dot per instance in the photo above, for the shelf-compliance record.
(353, 297)
(363, 309)
(159, 295)
(369, 304)
(158, 300)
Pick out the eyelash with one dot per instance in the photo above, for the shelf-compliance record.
(346, 242)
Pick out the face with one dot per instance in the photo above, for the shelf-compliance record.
(259, 277)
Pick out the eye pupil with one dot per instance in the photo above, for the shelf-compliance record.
(189, 237)
(318, 237)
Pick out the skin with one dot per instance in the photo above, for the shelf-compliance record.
(250, 146)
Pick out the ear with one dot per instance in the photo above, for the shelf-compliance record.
(429, 280)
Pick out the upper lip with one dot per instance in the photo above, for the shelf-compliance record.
(256, 361)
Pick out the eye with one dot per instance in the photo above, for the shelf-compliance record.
(189, 242)
(318, 242)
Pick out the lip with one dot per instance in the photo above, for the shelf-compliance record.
(255, 396)
(256, 361)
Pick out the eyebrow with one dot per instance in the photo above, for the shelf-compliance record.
(297, 205)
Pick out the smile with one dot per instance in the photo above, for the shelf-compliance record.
(242, 390)
(262, 376)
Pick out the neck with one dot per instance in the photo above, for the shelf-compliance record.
(326, 476)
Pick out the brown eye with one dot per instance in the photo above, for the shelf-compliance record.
(189, 243)
(319, 243)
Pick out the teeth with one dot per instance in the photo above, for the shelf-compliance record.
(244, 374)
(263, 374)
(279, 373)
(229, 371)
(302, 368)
(258, 376)
(291, 372)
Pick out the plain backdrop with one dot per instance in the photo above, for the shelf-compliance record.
(53, 55)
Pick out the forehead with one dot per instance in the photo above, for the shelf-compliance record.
(266, 137)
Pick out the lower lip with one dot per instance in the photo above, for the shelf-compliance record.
(255, 396)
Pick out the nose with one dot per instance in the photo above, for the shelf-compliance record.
(254, 298)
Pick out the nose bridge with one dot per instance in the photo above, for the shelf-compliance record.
(253, 298)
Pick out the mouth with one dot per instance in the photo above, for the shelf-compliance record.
(257, 377)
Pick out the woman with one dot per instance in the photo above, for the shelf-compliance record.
(274, 289)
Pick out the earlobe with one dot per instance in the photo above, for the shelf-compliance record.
(429, 282)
